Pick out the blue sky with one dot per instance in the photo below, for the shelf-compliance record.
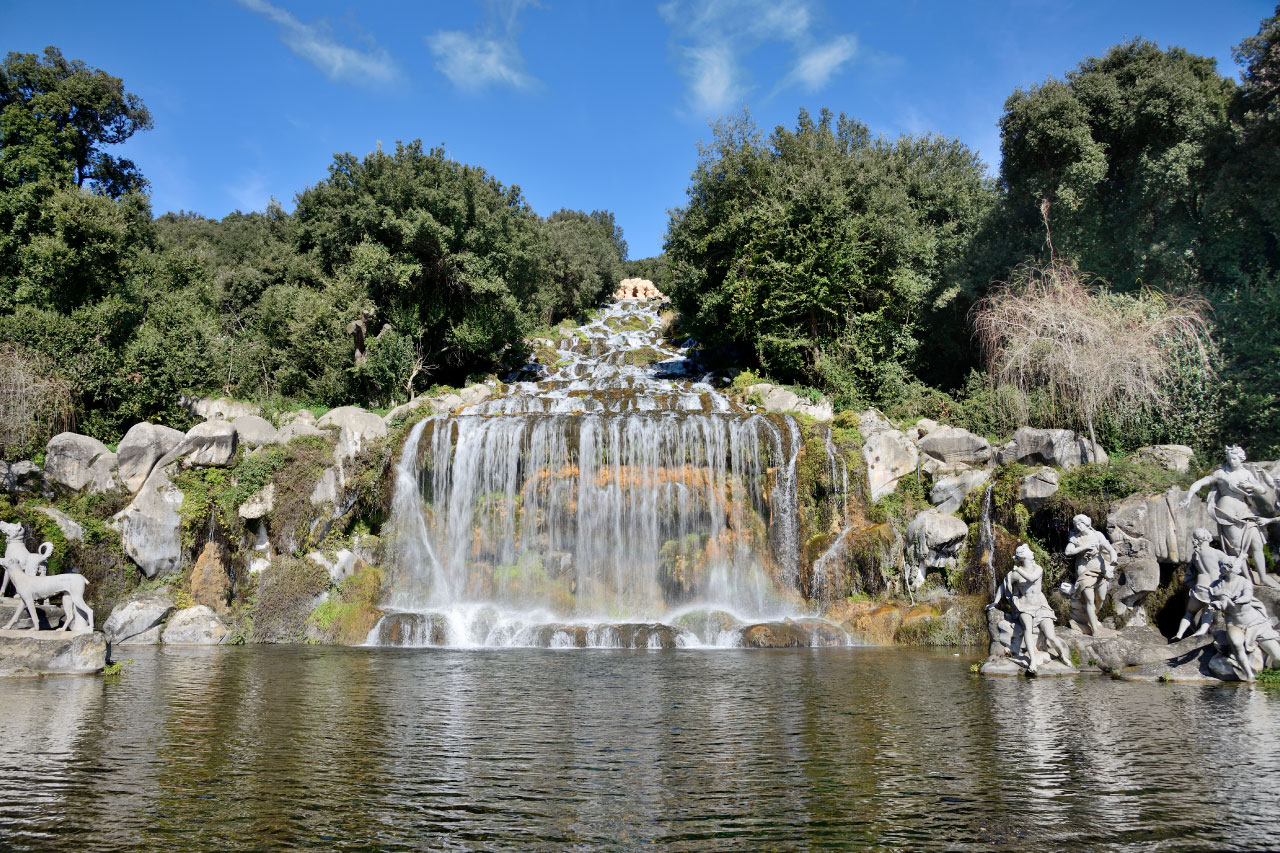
(583, 103)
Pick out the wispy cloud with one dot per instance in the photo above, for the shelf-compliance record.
(712, 40)
(316, 44)
(488, 56)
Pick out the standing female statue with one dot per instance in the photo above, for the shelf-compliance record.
(1022, 588)
(1234, 490)
(1094, 554)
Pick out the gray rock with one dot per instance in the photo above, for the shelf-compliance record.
(1171, 457)
(889, 456)
(80, 463)
(151, 526)
(52, 652)
(934, 541)
(1009, 666)
(70, 528)
(195, 626)
(473, 394)
(948, 493)
(297, 428)
(403, 411)
(212, 443)
(259, 504)
(23, 478)
(211, 408)
(1157, 526)
(1060, 448)
(255, 431)
(138, 619)
(300, 415)
(872, 421)
(142, 447)
(1135, 646)
(951, 445)
(1037, 487)
(343, 565)
(356, 427)
(446, 404)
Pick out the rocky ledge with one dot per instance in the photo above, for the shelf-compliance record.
(52, 652)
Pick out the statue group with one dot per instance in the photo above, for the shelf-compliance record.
(1219, 580)
(27, 573)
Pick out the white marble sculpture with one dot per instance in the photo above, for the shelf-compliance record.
(25, 572)
(1249, 628)
(1022, 589)
(1202, 572)
(1234, 493)
(1094, 556)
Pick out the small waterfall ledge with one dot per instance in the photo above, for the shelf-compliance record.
(613, 500)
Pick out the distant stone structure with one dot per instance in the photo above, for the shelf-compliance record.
(637, 288)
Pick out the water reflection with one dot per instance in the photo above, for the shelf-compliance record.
(260, 748)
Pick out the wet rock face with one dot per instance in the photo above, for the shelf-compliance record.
(80, 463)
(142, 447)
(211, 580)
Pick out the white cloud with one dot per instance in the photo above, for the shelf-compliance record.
(488, 57)
(249, 193)
(316, 44)
(713, 38)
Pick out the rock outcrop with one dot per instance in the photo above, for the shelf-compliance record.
(950, 446)
(211, 444)
(142, 447)
(255, 431)
(52, 652)
(774, 398)
(934, 541)
(355, 426)
(948, 493)
(1061, 448)
(211, 580)
(195, 626)
(889, 456)
(1037, 487)
(1171, 457)
(211, 408)
(80, 463)
(138, 619)
(151, 526)
(70, 528)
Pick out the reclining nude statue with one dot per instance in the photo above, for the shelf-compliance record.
(1234, 490)
(1249, 626)
(1021, 588)
(1094, 555)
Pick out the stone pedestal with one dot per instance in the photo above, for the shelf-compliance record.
(52, 652)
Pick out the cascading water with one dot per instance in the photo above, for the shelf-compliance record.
(618, 500)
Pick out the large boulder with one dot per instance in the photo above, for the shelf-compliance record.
(889, 456)
(356, 427)
(70, 528)
(195, 626)
(934, 541)
(872, 421)
(296, 428)
(1157, 526)
(80, 463)
(211, 579)
(259, 504)
(141, 448)
(775, 398)
(211, 408)
(1037, 487)
(948, 493)
(255, 431)
(952, 445)
(151, 526)
(474, 394)
(1171, 457)
(24, 477)
(52, 653)
(212, 443)
(1061, 448)
(138, 619)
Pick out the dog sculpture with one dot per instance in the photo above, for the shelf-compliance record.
(31, 588)
(15, 551)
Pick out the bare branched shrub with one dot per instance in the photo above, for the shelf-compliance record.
(1088, 349)
(35, 403)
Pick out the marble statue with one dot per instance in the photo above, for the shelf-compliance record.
(1249, 628)
(1202, 572)
(23, 571)
(1021, 588)
(1234, 491)
(1094, 555)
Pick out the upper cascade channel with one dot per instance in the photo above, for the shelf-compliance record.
(614, 499)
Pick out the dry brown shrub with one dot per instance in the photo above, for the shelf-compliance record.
(1087, 348)
(35, 403)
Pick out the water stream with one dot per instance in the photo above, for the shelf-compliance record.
(616, 498)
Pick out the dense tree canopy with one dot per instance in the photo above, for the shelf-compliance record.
(823, 252)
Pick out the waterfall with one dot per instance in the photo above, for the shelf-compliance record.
(616, 498)
(987, 541)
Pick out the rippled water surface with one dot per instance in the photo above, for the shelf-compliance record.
(261, 748)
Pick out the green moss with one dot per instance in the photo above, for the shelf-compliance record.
(347, 616)
(643, 357)
(284, 600)
(1075, 658)
(1269, 676)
